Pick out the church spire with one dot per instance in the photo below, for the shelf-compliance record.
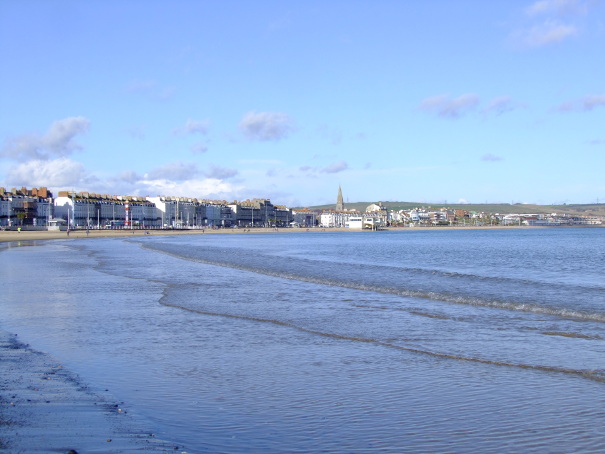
(340, 206)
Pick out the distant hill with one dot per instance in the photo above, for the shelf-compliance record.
(503, 208)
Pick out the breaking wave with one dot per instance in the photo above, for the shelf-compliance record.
(374, 278)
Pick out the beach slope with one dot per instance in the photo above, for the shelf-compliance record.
(46, 408)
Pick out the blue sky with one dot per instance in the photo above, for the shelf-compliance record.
(439, 101)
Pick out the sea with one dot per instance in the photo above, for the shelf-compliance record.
(413, 341)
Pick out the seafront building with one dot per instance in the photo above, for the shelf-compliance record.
(90, 210)
(375, 216)
(36, 208)
(82, 209)
(25, 207)
(304, 218)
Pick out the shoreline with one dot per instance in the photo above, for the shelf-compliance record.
(46, 408)
(31, 235)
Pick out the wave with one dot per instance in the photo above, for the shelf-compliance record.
(595, 375)
(436, 272)
(315, 275)
(574, 335)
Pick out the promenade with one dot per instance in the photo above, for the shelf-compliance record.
(26, 235)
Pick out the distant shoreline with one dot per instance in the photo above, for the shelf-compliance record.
(26, 235)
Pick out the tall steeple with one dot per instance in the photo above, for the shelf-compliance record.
(340, 205)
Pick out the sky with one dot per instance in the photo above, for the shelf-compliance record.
(436, 101)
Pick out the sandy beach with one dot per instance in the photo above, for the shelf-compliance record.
(46, 408)
(30, 235)
(27, 235)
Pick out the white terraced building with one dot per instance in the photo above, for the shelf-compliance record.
(90, 210)
(25, 207)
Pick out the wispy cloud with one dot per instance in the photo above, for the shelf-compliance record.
(314, 171)
(137, 132)
(178, 171)
(151, 90)
(556, 7)
(336, 167)
(220, 173)
(585, 104)
(550, 22)
(129, 176)
(266, 126)
(501, 105)
(548, 32)
(192, 127)
(56, 142)
(448, 107)
(332, 135)
(199, 148)
(491, 158)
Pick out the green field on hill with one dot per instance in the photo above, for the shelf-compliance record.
(502, 208)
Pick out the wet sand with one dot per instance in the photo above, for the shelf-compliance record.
(46, 408)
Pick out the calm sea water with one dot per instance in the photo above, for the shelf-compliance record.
(416, 341)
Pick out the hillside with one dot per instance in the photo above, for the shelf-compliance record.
(503, 208)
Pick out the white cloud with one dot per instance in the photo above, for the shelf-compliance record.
(58, 141)
(209, 188)
(336, 167)
(448, 107)
(266, 126)
(61, 172)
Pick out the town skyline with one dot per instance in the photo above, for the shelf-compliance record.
(464, 102)
(39, 208)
